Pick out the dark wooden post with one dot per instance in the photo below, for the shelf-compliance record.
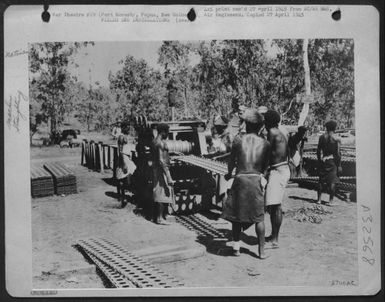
(115, 160)
(83, 159)
(92, 155)
(101, 162)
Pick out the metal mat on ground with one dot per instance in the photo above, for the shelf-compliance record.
(202, 228)
(123, 268)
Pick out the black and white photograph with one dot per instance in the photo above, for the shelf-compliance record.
(193, 163)
(225, 164)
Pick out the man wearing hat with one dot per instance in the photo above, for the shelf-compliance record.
(245, 203)
(117, 130)
(224, 137)
(236, 124)
(262, 110)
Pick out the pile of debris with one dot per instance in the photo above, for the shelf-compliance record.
(309, 214)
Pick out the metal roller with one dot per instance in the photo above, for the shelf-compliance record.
(178, 146)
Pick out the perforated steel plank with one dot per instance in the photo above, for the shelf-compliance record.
(117, 279)
(194, 223)
(39, 173)
(205, 163)
(138, 271)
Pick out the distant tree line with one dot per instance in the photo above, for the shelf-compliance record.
(201, 79)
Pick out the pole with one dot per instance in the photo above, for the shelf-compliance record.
(172, 113)
(305, 108)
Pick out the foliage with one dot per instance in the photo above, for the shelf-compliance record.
(332, 66)
(205, 78)
(139, 89)
(51, 82)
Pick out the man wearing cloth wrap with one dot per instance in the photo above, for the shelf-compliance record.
(245, 203)
(278, 174)
(162, 181)
(329, 161)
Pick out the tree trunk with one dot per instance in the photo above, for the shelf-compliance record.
(185, 102)
(305, 108)
(53, 124)
(89, 117)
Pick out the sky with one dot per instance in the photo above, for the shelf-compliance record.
(103, 57)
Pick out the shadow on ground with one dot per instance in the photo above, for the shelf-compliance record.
(219, 247)
(310, 200)
(109, 181)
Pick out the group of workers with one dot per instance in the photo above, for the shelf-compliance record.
(262, 153)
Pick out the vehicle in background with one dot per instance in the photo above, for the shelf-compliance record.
(71, 138)
(347, 136)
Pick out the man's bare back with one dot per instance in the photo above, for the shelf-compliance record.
(279, 146)
(251, 154)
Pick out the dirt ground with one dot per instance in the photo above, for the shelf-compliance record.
(309, 255)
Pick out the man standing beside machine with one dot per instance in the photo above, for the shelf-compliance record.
(163, 192)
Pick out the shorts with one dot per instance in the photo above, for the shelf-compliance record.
(276, 185)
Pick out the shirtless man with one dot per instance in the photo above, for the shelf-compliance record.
(279, 173)
(329, 161)
(245, 206)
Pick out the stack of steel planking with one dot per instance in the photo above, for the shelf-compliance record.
(124, 269)
(64, 178)
(348, 183)
(41, 182)
(348, 158)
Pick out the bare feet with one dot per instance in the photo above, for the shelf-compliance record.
(237, 253)
(273, 245)
(164, 222)
(268, 238)
(263, 256)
